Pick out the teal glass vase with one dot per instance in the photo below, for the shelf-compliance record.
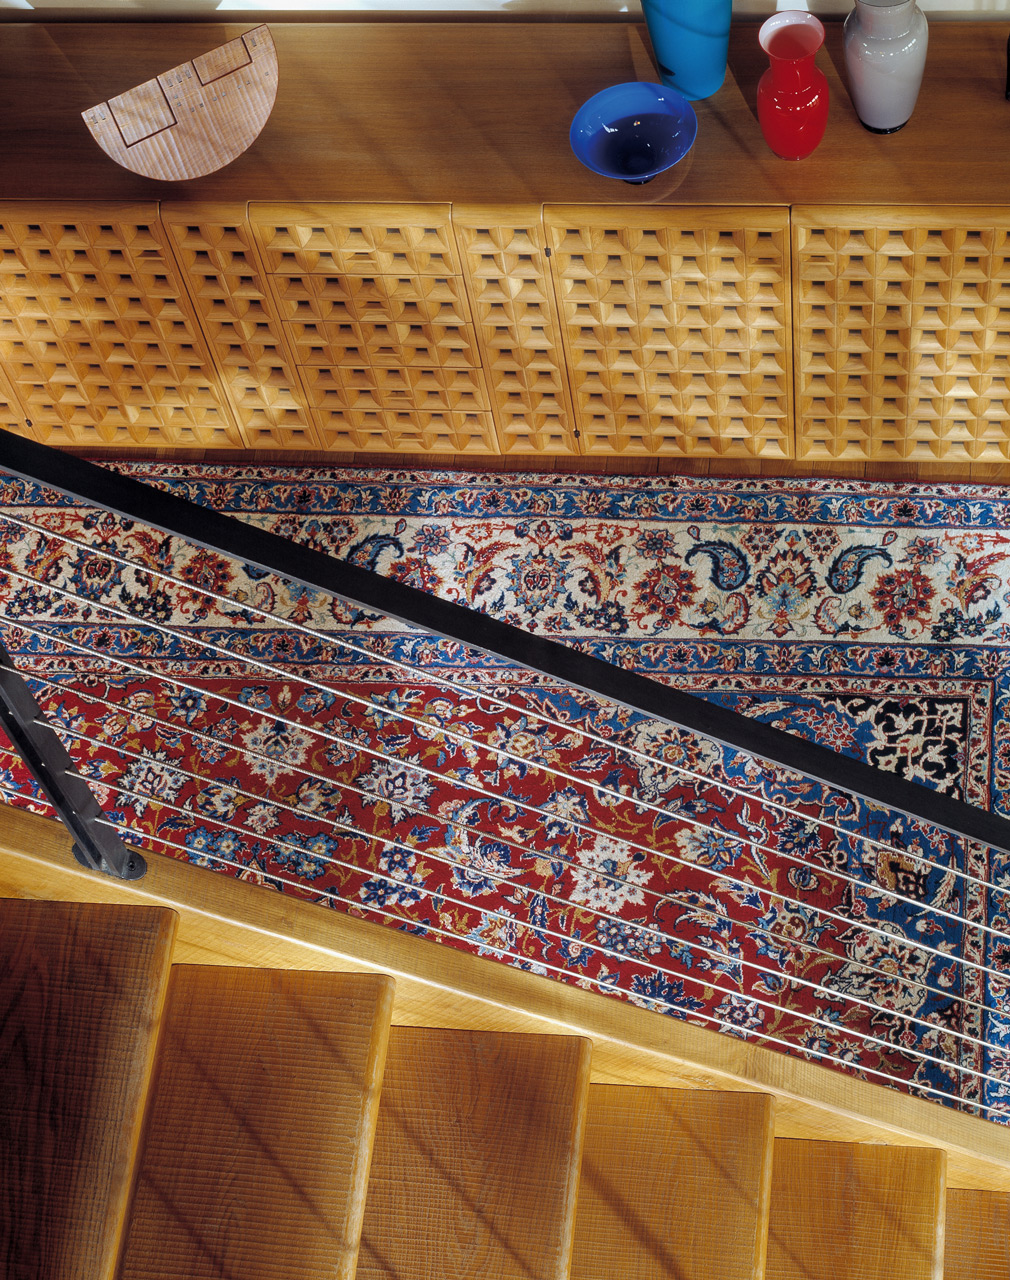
(690, 39)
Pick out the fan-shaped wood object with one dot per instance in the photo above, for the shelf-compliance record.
(195, 118)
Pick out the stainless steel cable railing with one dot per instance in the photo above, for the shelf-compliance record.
(787, 943)
(339, 790)
(837, 962)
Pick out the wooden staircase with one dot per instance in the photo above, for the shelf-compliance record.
(260, 1124)
(288, 1131)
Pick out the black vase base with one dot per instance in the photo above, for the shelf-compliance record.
(637, 182)
(870, 129)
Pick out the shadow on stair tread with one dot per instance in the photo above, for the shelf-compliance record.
(476, 1161)
(977, 1245)
(674, 1185)
(256, 1148)
(862, 1212)
(266, 1097)
(81, 994)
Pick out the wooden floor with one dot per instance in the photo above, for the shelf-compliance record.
(910, 472)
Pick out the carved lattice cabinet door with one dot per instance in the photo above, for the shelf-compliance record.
(214, 247)
(374, 308)
(13, 416)
(903, 333)
(676, 326)
(97, 334)
(518, 331)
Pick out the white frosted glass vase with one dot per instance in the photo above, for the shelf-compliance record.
(885, 53)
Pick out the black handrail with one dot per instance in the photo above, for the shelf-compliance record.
(361, 587)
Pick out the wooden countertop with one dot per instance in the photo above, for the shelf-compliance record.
(480, 112)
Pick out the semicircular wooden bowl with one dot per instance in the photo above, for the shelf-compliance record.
(196, 118)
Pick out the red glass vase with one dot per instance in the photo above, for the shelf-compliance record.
(792, 96)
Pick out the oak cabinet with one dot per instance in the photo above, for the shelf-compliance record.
(902, 334)
(519, 331)
(676, 328)
(374, 305)
(399, 328)
(415, 262)
(99, 339)
(219, 268)
(813, 332)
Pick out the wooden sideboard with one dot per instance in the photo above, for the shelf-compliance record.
(410, 260)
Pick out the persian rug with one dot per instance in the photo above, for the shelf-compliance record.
(251, 727)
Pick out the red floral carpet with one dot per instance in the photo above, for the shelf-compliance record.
(234, 721)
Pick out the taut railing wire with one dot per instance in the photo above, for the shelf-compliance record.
(534, 827)
(782, 938)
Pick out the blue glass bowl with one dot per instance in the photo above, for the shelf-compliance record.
(633, 131)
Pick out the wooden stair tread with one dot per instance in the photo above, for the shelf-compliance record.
(675, 1185)
(978, 1236)
(476, 1161)
(845, 1211)
(255, 1156)
(80, 999)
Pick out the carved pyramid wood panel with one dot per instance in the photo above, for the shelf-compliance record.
(215, 250)
(518, 327)
(903, 333)
(420, 329)
(97, 335)
(676, 328)
(375, 308)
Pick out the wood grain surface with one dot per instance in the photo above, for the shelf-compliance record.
(506, 353)
(902, 334)
(81, 994)
(476, 1162)
(674, 1185)
(192, 119)
(978, 1236)
(231, 922)
(481, 111)
(256, 1150)
(841, 1211)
